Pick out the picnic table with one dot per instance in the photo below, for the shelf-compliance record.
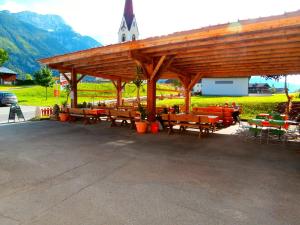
(264, 122)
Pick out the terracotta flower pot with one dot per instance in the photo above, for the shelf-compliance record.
(141, 127)
(63, 117)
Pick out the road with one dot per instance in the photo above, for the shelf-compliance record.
(28, 112)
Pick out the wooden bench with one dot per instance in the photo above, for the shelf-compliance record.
(224, 113)
(124, 116)
(87, 115)
(184, 121)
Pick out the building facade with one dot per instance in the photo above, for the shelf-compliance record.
(128, 30)
(225, 86)
(7, 76)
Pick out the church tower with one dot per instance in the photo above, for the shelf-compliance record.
(128, 30)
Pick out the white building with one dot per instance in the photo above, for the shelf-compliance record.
(128, 30)
(225, 86)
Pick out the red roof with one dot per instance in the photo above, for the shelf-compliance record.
(128, 13)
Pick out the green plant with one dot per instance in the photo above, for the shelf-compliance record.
(64, 104)
(56, 110)
(44, 78)
(138, 82)
(286, 90)
(142, 111)
(67, 90)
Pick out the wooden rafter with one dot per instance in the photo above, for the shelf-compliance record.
(194, 81)
(66, 77)
(158, 66)
(82, 76)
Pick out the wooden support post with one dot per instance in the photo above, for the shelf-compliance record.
(119, 88)
(73, 89)
(119, 92)
(186, 81)
(151, 99)
(187, 100)
(152, 72)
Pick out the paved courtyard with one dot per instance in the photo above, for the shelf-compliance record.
(54, 173)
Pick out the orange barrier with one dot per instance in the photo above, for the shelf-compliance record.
(44, 112)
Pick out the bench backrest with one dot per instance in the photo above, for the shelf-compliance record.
(118, 113)
(183, 118)
(165, 117)
(90, 112)
(204, 119)
(219, 114)
(76, 111)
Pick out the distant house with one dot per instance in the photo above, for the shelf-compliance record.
(7, 76)
(279, 90)
(197, 88)
(259, 88)
(225, 86)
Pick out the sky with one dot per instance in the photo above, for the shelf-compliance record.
(101, 19)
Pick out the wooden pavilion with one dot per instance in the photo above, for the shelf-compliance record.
(264, 46)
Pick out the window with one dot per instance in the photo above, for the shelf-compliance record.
(133, 37)
(224, 82)
(123, 37)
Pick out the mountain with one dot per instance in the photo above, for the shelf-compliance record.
(29, 36)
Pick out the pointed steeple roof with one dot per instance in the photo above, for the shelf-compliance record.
(128, 13)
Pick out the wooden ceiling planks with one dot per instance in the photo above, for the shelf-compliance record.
(261, 46)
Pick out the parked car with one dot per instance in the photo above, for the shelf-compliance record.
(7, 98)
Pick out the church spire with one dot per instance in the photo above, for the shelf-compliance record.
(128, 13)
(128, 30)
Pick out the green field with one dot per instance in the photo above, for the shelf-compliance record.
(35, 96)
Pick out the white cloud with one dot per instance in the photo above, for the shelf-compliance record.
(101, 19)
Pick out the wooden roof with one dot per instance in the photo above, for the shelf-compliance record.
(264, 46)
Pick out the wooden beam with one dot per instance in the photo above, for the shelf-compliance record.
(74, 89)
(158, 66)
(82, 76)
(180, 73)
(66, 77)
(123, 85)
(114, 83)
(194, 81)
(142, 58)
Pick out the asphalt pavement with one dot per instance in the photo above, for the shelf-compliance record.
(54, 173)
(28, 112)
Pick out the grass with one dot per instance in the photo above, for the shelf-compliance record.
(35, 96)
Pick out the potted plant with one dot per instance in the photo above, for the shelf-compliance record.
(55, 114)
(63, 115)
(142, 125)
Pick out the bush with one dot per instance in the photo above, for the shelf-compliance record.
(24, 82)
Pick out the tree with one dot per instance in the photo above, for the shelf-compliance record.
(286, 90)
(28, 76)
(138, 82)
(3, 56)
(67, 89)
(44, 78)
